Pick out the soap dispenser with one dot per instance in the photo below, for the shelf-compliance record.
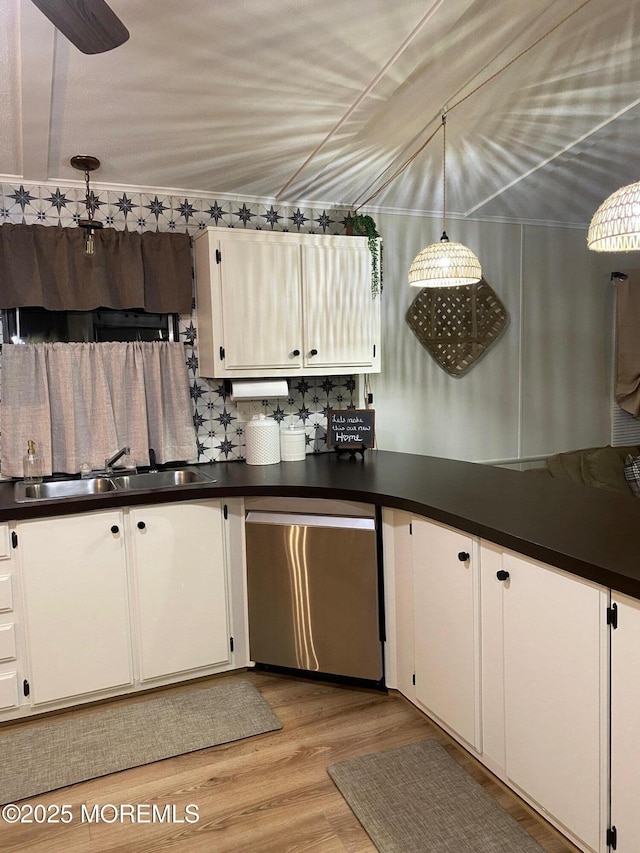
(32, 464)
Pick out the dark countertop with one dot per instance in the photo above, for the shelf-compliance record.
(589, 532)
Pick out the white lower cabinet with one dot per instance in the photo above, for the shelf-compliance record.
(74, 578)
(553, 677)
(116, 599)
(511, 656)
(11, 663)
(179, 582)
(447, 632)
(625, 724)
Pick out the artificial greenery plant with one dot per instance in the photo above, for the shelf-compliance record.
(361, 225)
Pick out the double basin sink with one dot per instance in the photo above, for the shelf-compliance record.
(58, 489)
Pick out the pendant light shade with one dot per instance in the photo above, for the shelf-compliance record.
(615, 226)
(444, 264)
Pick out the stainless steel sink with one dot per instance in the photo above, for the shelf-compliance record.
(160, 479)
(60, 489)
(55, 489)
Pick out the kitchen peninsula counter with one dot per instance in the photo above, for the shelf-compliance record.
(586, 531)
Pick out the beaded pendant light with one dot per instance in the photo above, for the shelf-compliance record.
(444, 264)
(615, 226)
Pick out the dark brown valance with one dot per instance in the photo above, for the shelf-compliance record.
(45, 266)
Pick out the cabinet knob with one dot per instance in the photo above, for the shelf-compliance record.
(313, 352)
(296, 353)
(141, 525)
(115, 529)
(463, 556)
(502, 575)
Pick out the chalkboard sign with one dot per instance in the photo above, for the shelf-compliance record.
(350, 429)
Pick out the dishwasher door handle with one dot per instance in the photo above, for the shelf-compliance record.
(297, 519)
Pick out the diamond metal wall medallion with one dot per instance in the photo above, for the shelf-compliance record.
(457, 325)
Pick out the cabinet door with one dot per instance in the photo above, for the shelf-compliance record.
(260, 308)
(180, 587)
(555, 693)
(625, 724)
(76, 603)
(12, 655)
(339, 312)
(446, 614)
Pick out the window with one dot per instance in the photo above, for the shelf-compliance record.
(37, 325)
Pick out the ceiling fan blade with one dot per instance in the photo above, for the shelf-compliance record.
(88, 24)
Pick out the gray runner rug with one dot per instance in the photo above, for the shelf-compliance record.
(42, 757)
(417, 799)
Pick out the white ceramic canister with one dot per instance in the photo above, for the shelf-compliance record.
(293, 444)
(262, 439)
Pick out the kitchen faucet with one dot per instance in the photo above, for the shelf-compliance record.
(109, 463)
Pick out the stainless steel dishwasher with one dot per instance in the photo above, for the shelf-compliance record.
(314, 590)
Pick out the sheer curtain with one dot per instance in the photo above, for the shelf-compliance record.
(81, 402)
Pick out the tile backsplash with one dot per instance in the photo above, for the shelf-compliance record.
(216, 418)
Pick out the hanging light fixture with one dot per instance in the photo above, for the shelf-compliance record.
(615, 226)
(87, 164)
(444, 264)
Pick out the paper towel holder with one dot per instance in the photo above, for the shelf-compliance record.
(255, 389)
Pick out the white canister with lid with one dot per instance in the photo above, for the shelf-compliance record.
(262, 439)
(293, 444)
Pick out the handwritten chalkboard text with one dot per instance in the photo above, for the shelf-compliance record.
(352, 429)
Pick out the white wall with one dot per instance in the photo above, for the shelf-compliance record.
(543, 387)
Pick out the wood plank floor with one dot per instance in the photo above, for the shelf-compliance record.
(267, 794)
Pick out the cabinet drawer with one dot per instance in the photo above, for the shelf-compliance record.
(5, 551)
(7, 642)
(6, 593)
(9, 697)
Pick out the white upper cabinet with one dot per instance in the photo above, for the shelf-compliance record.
(249, 304)
(340, 317)
(282, 304)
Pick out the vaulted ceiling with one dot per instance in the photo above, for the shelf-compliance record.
(319, 101)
